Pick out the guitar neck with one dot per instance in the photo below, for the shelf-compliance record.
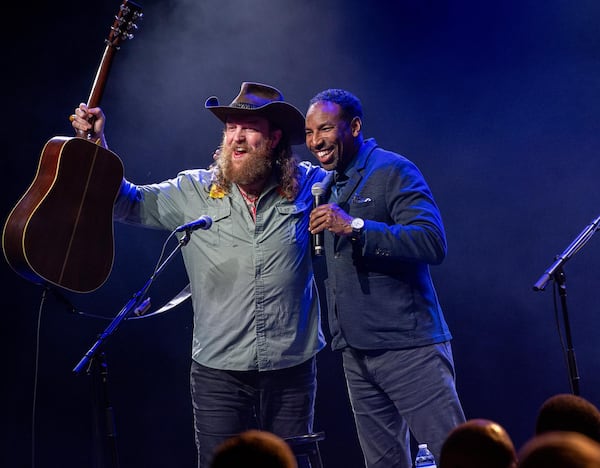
(121, 30)
(101, 78)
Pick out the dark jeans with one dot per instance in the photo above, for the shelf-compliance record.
(398, 392)
(226, 403)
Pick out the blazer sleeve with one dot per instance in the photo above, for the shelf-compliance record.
(412, 229)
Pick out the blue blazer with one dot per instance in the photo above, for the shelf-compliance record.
(380, 294)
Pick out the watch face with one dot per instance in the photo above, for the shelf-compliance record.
(357, 224)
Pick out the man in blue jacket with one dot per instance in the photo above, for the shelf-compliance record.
(384, 315)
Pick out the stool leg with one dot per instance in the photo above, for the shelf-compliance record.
(306, 449)
(315, 457)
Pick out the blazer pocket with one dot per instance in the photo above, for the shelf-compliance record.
(358, 200)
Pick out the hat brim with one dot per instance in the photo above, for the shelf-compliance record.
(281, 114)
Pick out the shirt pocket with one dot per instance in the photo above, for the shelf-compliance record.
(221, 231)
(294, 222)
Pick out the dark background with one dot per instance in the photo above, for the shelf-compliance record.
(496, 102)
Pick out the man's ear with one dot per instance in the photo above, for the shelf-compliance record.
(275, 138)
(355, 126)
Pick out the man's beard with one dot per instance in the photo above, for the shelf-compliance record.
(254, 167)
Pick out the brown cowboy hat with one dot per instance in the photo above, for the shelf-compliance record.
(266, 101)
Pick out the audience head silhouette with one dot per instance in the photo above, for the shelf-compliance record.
(567, 412)
(478, 443)
(254, 449)
(560, 449)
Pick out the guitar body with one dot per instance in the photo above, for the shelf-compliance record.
(61, 231)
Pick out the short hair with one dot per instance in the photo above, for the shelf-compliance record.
(478, 443)
(349, 103)
(560, 448)
(254, 448)
(568, 412)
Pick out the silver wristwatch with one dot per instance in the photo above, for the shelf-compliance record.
(357, 225)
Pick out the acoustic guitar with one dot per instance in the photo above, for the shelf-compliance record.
(60, 232)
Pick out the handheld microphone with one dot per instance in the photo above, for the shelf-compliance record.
(203, 222)
(318, 190)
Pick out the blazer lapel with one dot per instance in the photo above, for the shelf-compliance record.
(349, 189)
(343, 197)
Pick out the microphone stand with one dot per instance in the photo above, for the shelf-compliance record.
(94, 363)
(555, 271)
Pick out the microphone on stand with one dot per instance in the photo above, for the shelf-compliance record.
(203, 222)
(142, 308)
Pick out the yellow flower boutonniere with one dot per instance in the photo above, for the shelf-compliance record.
(216, 191)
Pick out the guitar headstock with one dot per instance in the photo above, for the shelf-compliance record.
(125, 23)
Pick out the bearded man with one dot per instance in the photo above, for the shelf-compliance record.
(256, 309)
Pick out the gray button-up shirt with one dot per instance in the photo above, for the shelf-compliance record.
(255, 301)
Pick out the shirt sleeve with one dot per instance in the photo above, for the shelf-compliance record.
(164, 205)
